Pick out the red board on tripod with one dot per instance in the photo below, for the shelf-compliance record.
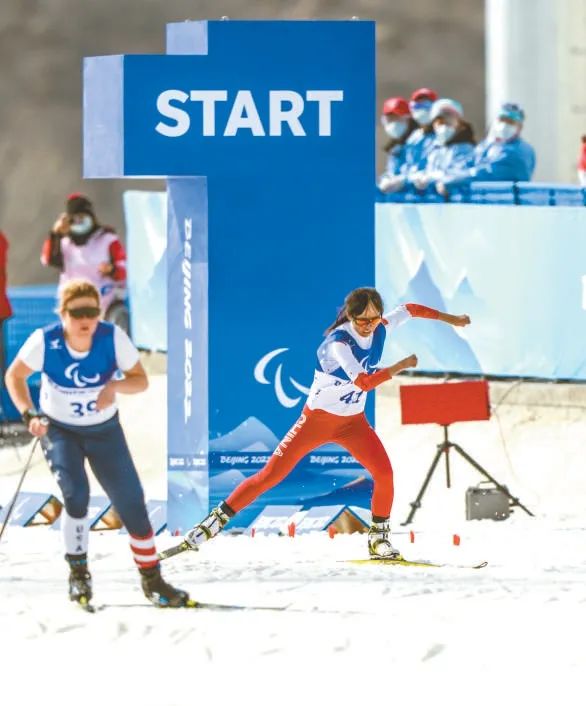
(445, 403)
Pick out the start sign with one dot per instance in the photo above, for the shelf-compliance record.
(265, 133)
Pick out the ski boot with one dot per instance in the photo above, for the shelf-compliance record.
(213, 524)
(160, 593)
(80, 579)
(379, 542)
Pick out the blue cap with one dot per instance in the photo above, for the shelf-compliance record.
(512, 111)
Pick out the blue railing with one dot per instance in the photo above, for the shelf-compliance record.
(508, 193)
(33, 307)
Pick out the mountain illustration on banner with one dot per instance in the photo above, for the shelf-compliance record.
(440, 346)
(300, 486)
(254, 436)
(465, 301)
(357, 492)
(250, 435)
(187, 499)
(226, 481)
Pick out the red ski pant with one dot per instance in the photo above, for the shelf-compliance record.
(312, 429)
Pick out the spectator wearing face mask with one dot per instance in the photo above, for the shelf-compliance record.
(81, 247)
(398, 125)
(502, 156)
(418, 142)
(582, 163)
(452, 148)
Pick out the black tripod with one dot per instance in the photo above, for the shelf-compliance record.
(444, 448)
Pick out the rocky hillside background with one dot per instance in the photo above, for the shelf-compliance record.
(42, 43)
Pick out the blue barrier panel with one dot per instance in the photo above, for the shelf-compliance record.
(519, 273)
(549, 194)
(569, 196)
(33, 307)
(494, 192)
(535, 194)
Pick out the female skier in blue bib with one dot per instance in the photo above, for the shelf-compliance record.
(78, 358)
(346, 369)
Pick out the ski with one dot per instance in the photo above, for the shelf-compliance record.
(192, 604)
(184, 546)
(172, 551)
(229, 606)
(422, 564)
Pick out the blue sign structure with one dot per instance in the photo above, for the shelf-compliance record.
(266, 130)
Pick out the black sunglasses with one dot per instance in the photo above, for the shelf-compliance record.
(84, 312)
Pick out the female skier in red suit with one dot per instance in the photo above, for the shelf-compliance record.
(334, 412)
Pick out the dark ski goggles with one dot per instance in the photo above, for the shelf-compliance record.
(84, 312)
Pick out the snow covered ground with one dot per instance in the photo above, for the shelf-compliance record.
(514, 630)
(511, 633)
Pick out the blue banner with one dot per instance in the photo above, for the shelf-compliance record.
(519, 273)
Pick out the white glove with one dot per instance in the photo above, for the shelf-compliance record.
(391, 184)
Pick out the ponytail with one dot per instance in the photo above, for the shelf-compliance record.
(340, 319)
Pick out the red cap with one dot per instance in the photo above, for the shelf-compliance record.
(423, 94)
(396, 106)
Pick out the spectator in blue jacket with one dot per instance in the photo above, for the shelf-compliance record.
(421, 139)
(502, 156)
(398, 125)
(417, 141)
(452, 148)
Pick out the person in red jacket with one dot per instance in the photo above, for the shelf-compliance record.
(582, 163)
(81, 247)
(5, 308)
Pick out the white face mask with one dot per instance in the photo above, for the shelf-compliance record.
(395, 129)
(422, 116)
(83, 226)
(444, 133)
(504, 131)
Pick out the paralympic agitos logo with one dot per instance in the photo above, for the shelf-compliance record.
(260, 375)
(79, 380)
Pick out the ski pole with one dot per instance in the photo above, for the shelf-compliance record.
(20, 482)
